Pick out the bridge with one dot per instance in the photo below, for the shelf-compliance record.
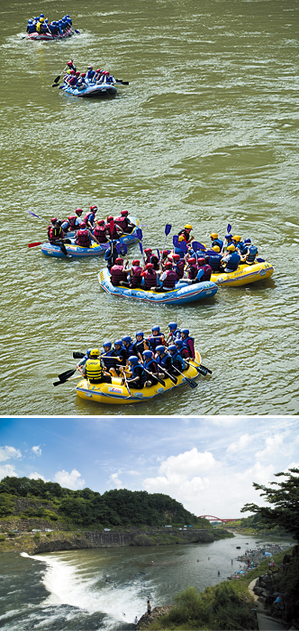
(213, 518)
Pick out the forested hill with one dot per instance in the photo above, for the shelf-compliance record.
(26, 499)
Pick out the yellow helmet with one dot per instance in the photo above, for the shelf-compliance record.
(216, 248)
(94, 352)
(237, 238)
(181, 238)
(231, 248)
(41, 20)
(214, 235)
(188, 226)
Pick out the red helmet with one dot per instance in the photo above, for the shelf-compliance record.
(147, 250)
(124, 213)
(77, 73)
(101, 222)
(83, 74)
(54, 220)
(168, 264)
(110, 218)
(149, 266)
(165, 252)
(82, 224)
(69, 63)
(99, 70)
(106, 73)
(201, 261)
(72, 72)
(191, 261)
(136, 262)
(176, 257)
(89, 67)
(119, 261)
(94, 208)
(78, 211)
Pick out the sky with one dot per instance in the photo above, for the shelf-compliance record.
(207, 463)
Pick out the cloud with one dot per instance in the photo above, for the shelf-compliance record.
(114, 480)
(69, 480)
(273, 444)
(9, 470)
(37, 450)
(190, 462)
(9, 452)
(37, 476)
(240, 445)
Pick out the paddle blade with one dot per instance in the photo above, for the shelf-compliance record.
(167, 229)
(139, 234)
(76, 31)
(158, 253)
(34, 245)
(140, 247)
(65, 375)
(191, 383)
(175, 240)
(229, 227)
(78, 355)
(183, 246)
(57, 79)
(197, 246)
(124, 247)
(259, 260)
(118, 248)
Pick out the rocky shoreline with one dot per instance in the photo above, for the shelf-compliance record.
(42, 541)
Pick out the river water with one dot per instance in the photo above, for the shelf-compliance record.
(69, 590)
(207, 132)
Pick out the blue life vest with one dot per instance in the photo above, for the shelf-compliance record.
(217, 242)
(109, 359)
(251, 254)
(233, 262)
(215, 262)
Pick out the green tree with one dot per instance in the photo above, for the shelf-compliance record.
(285, 498)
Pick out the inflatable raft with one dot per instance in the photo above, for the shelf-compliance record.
(91, 90)
(48, 249)
(115, 393)
(178, 296)
(46, 37)
(244, 275)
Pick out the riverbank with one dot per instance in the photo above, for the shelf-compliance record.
(43, 541)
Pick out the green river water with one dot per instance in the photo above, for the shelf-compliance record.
(206, 132)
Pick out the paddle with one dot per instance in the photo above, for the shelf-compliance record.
(121, 81)
(228, 227)
(58, 77)
(191, 383)
(76, 31)
(155, 376)
(34, 245)
(205, 369)
(171, 377)
(78, 355)
(167, 231)
(259, 260)
(198, 246)
(139, 236)
(124, 248)
(64, 376)
(37, 216)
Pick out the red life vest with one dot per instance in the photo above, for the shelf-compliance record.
(121, 222)
(179, 268)
(117, 274)
(207, 271)
(72, 222)
(136, 276)
(170, 280)
(83, 239)
(100, 234)
(150, 279)
(192, 272)
(55, 233)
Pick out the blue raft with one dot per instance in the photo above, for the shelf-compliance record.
(178, 296)
(103, 90)
(75, 251)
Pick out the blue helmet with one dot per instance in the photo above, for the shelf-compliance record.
(118, 343)
(88, 351)
(160, 349)
(228, 236)
(140, 333)
(107, 344)
(147, 354)
(247, 241)
(185, 331)
(133, 360)
(179, 343)
(156, 328)
(172, 326)
(126, 338)
(172, 348)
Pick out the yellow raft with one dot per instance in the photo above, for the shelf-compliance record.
(244, 275)
(115, 393)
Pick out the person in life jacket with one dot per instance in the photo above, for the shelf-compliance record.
(164, 257)
(135, 274)
(188, 342)
(215, 259)
(99, 232)
(119, 275)
(84, 236)
(90, 75)
(109, 359)
(178, 265)
(128, 345)
(73, 81)
(215, 240)
(206, 268)
(39, 25)
(137, 376)
(81, 83)
(81, 364)
(73, 221)
(139, 345)
(183, 350)
(251, 252)
(56, 235)
(168, 278)
(120, 353)
(98, 75)
(174, 333)
(186, 233)
(124, 222)
(70, 64)
(113, 231)
(228, 239)
(89, 218)
(237, 241)
(150, 366)
(150, 276)
(155, 339)
(93, 370)
(191, 268)
(111, 254)
(31, 28)
(231, 260)
(177, 360)
(164, 361)
(151, 258)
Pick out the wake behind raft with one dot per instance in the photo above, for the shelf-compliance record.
(116, 393)
(177, 296)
